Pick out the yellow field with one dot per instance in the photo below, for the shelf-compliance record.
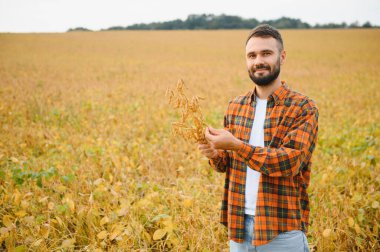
(87, 160)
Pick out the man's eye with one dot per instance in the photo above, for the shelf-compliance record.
(252, 56)
(266, 53)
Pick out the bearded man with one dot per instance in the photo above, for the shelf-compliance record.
(265, 150)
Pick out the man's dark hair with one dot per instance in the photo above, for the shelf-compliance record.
(265, 31)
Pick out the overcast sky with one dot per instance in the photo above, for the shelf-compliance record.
(60, 15)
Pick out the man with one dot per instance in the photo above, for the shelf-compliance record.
(265, 150)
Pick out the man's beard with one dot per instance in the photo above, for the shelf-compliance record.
(267, 79)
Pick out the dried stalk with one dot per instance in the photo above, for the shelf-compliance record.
(191, 126)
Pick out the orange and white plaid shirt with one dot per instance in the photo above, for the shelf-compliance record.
(290, 136)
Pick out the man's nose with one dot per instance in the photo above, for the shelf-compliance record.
(258, 61)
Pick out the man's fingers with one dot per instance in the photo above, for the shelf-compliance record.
(206, 149)
(204, 146)
(215, 131)
(207, 131)
(209, 136)
(211, 130)
(207, 152)
(211, 153)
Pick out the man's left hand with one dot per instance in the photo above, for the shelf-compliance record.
(222, 139)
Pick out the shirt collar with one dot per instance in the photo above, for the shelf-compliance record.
(277, 95)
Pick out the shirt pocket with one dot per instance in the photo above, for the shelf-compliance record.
(284, 125)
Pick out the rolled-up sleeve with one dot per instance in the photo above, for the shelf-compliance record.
(220, 163)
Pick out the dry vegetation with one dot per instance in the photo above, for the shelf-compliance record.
(191, 126)
(87, 160)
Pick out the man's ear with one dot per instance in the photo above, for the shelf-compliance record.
(282, 57)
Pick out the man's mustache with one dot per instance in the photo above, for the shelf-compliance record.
(262, 66)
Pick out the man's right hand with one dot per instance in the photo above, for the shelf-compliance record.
(208, 150)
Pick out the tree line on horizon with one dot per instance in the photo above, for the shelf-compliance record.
(214, 22)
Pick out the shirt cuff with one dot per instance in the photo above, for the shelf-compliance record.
(215, 161)
(246, 150)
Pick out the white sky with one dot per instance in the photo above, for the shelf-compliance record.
(60, 15)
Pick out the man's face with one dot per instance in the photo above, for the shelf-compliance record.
(263, 60)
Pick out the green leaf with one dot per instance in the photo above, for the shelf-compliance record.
(40, 219)
(63, 208)
(2, 174)
(39, 182)
(21, 248)
(68, 178)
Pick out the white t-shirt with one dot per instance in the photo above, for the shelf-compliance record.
(256, 139)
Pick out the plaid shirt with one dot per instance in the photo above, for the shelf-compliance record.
(290, 136)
